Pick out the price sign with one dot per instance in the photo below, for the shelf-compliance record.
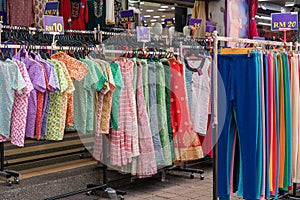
(169, 22)
(51, 8)
(287, 21)
(209, 30)
(143, 34)
(195, 24)
(127, 16)
(53, 24)
(3, 17)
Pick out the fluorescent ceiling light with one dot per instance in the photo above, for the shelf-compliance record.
(173, 8)
(147, 16)
(163, 16)
(161, 9)
(263, 17)
(152, 24)
(156, 17)
(149, 10)
(163, 23)
(264, 24)
(142, 2)
(163, 19)
(164, 6)
(153, 20)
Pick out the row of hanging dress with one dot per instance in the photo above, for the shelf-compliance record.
(152, 125)
(258, 145)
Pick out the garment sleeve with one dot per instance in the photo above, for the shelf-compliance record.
(38, 77)
(18, 81)
(86, 13)
(91, 78)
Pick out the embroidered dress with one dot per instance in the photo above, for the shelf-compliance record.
(11, 80)
(186, 141)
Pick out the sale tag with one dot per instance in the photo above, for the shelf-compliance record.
(195, 24)
(127, 16)
(53, 24)
(143, 34)
(284, 21)
(3, 17)
(209, 30)
(169, 22)
(51, 8)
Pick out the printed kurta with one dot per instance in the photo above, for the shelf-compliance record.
(186, 141)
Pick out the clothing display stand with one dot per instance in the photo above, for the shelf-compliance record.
(216, 40)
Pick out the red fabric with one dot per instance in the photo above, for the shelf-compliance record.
(78, 12)
(253, 5)
(186, 141)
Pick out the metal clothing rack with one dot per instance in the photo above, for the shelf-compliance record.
(216, 40)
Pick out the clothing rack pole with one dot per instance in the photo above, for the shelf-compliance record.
(216, 40)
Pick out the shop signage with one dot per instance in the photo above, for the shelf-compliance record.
(169, 22)
(195, 24)
(3, 17)
(209, 30)
(127, 16)
(284, 21)
(51, 8)
(143, 34)
(53, 24)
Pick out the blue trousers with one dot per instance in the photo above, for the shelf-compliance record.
(240, 78)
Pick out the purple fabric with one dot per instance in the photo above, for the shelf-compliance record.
(37, 78)
(53, 88)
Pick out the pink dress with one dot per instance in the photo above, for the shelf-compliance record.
(121, 147)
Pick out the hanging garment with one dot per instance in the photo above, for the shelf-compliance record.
(160, 161)
(13, 87)
(121, 146)
(37, 78)
(77, 71)
(200, 93)
(107, 100)
(117, 75)
(110, 12)
(75, 14)
(239, 75)
(39, 9)
(167, 72)
(162, 114)
(59, 102)
(97, 13)
(20, 12)
(84, 98)
(295, 98)
(186, 141)
(146, 163)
